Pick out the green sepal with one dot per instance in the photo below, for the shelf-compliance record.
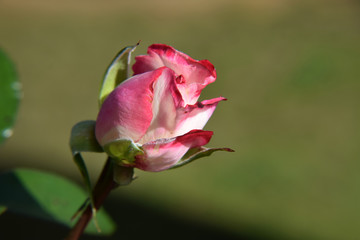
(81, 208)
(123, 151)
(123, 175)
(83, 140)
(118, 71)
(83, 137)
(196, 153)
(85, 175)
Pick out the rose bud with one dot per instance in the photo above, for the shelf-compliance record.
(151, 120)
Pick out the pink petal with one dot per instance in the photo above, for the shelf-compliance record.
(127, 111)
(165, 102)
(193, 75)
(195, 116)
(164, 153)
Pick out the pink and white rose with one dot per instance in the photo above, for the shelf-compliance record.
(158, 110)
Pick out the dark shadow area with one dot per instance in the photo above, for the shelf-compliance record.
(133, 222)
(16, 197)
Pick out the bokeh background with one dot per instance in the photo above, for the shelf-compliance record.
(290, 69)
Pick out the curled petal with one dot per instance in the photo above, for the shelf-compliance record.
(166, 101)
(195, 116)
(164, 153)
(193, 75)
(127, 111)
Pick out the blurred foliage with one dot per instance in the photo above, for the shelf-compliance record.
(9, 96)
(290, 72)
(27, 191)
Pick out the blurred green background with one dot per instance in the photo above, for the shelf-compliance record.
(290, 69)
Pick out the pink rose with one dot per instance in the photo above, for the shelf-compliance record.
(154, 116)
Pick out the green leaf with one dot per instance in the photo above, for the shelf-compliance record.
(46, 196)
(196, 153)
(10, 95)
(118, 71)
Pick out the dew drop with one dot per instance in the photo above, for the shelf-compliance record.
(7, 133)
(17, 86)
